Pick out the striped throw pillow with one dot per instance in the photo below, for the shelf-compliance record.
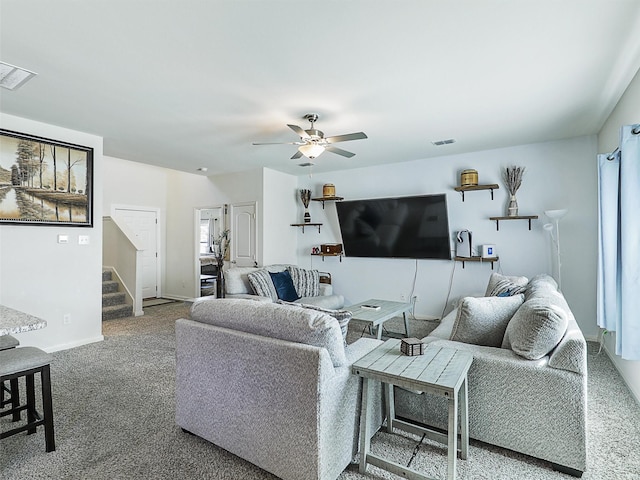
(307, 282)
(262, 284)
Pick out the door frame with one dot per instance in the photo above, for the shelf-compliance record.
(253, 204)
(159, 257)
(196, 237)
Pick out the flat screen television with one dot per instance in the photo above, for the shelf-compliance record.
(402, 227)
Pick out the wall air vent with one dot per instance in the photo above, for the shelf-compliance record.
(12, 77)
(439, 143)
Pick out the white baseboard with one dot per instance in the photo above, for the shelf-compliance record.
(67, 346)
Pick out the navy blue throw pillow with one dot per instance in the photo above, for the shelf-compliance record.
(284, 286)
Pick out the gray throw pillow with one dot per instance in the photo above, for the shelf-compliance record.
(483, 321)
(536, 328)
(504, 286)
(307, 282)
(262, 284)
(342, 316)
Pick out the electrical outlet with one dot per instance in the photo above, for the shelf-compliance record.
(403, 298)
(66, 318)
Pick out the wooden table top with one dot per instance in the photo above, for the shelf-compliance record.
(387, 310)
(439, 370)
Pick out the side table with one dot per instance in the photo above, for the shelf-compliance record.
(439, 371)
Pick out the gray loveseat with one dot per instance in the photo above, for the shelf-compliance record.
(527, 392)
(238, 285)
(272, 384)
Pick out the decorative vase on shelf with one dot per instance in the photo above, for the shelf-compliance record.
(512, 177)
(305, 196)
(512, 209)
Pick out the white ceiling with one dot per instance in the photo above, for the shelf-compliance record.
(188, 84)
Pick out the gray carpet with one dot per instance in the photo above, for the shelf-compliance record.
(114, 419)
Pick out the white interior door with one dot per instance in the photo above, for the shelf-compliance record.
(144, 225)
(243, 235)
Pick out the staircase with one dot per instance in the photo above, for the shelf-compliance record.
(113, 301)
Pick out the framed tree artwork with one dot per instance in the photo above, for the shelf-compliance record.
(45, 182)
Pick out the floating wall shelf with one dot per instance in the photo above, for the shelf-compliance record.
(476, 259)
(327, 199)
(518, 217)
(307, 225)
(473, 188)
(328, 255)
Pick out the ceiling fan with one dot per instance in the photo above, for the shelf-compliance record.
(313, 142)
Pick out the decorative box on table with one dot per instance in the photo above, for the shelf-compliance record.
(411, 346)
(331, 248)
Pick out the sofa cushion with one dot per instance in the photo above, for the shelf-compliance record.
(307, 282)
(483, 320)
(285, 322)
(536, 328)
(284, 286)
(331, 302)
(504, 286)
(342, 316)
(236, 280)
(262, 285)
(541, 285)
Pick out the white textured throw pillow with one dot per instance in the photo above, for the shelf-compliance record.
(483, 321)
(262, 284)
(504, 286)
(536, 328)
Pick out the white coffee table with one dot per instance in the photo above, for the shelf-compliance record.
(440, 371)
(376, 317)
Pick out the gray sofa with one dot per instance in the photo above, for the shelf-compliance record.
(237, 285)
(272, 384)
(528, 391)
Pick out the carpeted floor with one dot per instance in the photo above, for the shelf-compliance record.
(114, 419)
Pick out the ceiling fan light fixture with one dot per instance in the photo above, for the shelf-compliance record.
(311, 150)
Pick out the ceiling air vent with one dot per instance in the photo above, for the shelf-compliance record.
(12, 77)
(439, 143)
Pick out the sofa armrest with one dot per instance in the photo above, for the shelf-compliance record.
(571, 353)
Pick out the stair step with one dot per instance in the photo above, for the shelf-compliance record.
(106, 275)
(110, 286)
(112, 299)
(116, 311)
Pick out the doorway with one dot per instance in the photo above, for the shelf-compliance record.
(209, 223)
(145, 225)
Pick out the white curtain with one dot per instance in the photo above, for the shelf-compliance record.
(618, 286)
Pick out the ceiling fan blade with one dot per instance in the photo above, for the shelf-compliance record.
(298, 154)
(346, 138)
(299, 131)
(339, 151)
(277, 143)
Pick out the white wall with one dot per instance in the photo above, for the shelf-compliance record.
(278, 213)
(135, 184)
(46, 279)
(627, 112)
(558, 174)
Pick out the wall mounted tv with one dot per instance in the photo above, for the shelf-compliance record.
(402, 227)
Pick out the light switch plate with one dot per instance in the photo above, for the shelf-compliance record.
(63, 238)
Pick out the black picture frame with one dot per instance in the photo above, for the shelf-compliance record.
(44, 181)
